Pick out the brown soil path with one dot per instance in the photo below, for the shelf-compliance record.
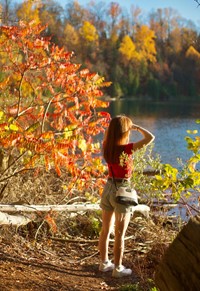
(51, 266)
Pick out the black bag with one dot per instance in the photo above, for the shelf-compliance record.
(125, 195)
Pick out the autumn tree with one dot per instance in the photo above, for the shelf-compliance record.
(192, 71)
(127, 49)
(193, 54)
(51, 13)
(88, 40)
(97, 16)
(136, 55)
(28, 11)
(7, 13)
(75, 14)
(71, 38)
(114, 11)
(50, 108)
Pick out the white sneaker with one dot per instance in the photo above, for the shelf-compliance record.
(106, 267)
(121, 272)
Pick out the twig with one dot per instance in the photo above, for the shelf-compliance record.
(15, 174)
(89, 257)
(74, 240)
(85, 240)
(39, 229)
(45, 114)
(189, 206)
(13, 163)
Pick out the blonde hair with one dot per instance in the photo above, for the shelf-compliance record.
(116, 137)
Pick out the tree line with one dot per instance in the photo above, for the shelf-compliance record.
(157, 57)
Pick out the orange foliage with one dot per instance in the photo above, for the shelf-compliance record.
(48, 103)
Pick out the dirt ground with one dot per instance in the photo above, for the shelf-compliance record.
(54, 266)
(72, 263)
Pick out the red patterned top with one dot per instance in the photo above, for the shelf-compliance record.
(125, 170)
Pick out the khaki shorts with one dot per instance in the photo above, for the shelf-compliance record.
(108, 199)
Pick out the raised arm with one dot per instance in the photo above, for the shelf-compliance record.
(148, 137)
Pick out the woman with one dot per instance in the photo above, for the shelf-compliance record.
(116, 142)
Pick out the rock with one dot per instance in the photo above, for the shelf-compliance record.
(180, 267)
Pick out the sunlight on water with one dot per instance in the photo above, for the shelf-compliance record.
(167, 121)
(170, 135)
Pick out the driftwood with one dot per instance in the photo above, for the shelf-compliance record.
(19, 219)
(7, 219)
(22, 212)
(180, 267)
(48, 208)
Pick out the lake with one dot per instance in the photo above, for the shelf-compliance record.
(167, 121)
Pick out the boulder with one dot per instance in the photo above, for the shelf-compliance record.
(180, 268)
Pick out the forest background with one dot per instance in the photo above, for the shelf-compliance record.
(157, 59)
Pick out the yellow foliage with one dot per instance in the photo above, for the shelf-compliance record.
(28, 11)
(192, 53)
(71, 35)
(1, 115)
(82, 145)
(13, 127)
(145, 43)
(89, 32)
(127, 48)
(142, 49)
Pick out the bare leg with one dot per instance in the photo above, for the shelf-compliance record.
(107, 225)
(121, 224)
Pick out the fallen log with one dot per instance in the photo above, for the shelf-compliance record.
(19, 219)
(144, 209)
(48, 208)
(179, 269)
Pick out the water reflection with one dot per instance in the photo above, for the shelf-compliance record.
(156, 109)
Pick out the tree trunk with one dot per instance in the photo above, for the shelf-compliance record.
(180, 267)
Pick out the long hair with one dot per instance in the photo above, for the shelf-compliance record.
(116, 137)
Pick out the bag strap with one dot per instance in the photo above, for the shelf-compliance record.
(113, 177)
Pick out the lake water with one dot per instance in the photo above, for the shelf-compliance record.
(167, 121)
